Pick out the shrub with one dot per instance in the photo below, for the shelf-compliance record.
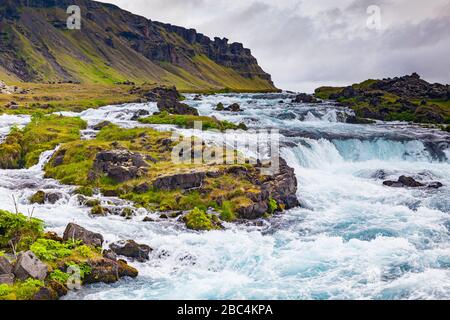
(227, 212)
(50, 250)
(273, 206)
(19, 230)
(199, 220)
(59, 276)
(27, 289)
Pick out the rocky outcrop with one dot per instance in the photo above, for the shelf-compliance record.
(75, 232)
(101, 125)
(131, 249)
(5, 266)
(7, 278)
(119, 165)
(412, 86)
(29, 266)
(280, 187)
(183, 181)
(102, 270)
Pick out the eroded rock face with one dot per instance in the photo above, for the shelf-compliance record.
(102, 270)
(29, 266)
(412, 86)
(7, 279)
(5, 266)
(183, 181)
(131, 249)
(120, 165)
(75, 232)
(281, 187)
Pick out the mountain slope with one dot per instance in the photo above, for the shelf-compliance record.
(114, 45)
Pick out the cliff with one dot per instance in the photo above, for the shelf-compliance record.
(114, 45)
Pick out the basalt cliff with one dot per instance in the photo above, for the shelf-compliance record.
(114, 45)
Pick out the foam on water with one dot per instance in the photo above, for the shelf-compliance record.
(353, 238)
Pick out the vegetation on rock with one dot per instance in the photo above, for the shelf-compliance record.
(407, 98)
(22, 148)
(187, 121)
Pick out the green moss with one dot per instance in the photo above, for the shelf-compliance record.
(23, 148)
(273, 206)
(50, 250)
(85, 191)
(227, 212)
(18, 230)
(59, 276)
(38, 198)
(98, 211)
(187, 121)
(199, 220)
(21, 290)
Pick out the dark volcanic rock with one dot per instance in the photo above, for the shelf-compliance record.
(75, 232)
(281, 187)
(120, 165)
(404, 182)
(125, 270)
(5, 266)
(29, 266)
(7, 278)
(45, 294)
(412, 87)
(305, 98)
(102, 270)
(101, 125)
(233, 108)
(180, 181)
(131, 249)
(42, 197)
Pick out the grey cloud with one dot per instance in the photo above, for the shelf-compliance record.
(326, 44)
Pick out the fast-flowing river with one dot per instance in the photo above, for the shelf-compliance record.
(353, 238)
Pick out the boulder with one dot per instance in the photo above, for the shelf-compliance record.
(42, 197)
(101, 125)
(45, 294)
(131, 249)
(435, 185)
(305, 98)
(29, 266)
(404, 182)
(5, 266)
(7, 278)
(59, 288)
(120, 165)
(127, 271)
(233, 108)
(76, 232)
(220, 107)
(183, 181)
(109, 254)
(139, 114)
(102, 270)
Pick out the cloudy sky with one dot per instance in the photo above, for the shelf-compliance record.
(308, 43)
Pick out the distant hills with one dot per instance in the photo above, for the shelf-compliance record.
(113, 46)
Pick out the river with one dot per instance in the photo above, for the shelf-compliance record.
(353, 238)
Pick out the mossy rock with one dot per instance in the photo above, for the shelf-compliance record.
(201, 221)
(38, 198)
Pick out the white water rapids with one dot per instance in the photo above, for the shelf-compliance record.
(353, 238)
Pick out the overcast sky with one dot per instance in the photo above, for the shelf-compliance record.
(304, 44)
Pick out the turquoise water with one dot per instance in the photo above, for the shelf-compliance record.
(352, 239)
